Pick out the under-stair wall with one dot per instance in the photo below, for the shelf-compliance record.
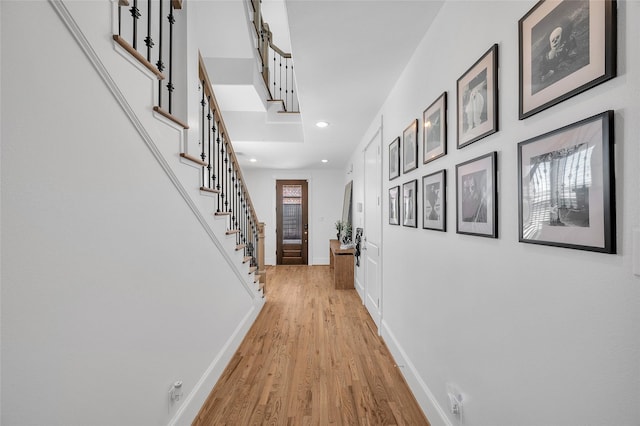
(117, 279)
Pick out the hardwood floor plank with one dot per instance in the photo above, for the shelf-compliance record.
(312, 357)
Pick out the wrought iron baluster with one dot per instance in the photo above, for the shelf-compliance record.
(223, 173)
(209, 117)
(170, 86)
(148, 40)
(220, 175)
(119, 19)
(160, 64)
(202, 148)
(286, 84)
(280, 79)
(135, 14)
(227, 167)
(212, 159)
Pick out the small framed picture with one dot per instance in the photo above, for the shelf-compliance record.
(477, 93)
(566, 186)
(394, 159)
(434, 201)
(566, 47)
(434, 135)
(409, 204)
(477, 196)
(410, 147)
(394, 205)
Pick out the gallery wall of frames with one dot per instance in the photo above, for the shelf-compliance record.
(566, 194)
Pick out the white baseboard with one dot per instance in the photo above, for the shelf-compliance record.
(197, 397)
(427, 401)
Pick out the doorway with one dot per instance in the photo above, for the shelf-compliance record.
(292, 225)
(372, 228)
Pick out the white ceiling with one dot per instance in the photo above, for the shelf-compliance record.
(347, 56)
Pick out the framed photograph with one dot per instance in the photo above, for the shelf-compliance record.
(394, 159)
(566, 186)
(434, 201)
(434, 135)
(394, 205)
(410, 147)
(477, 93)
(477, 196)
(566, 47)
(410, 204)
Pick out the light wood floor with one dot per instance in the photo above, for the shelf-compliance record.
(313, 357)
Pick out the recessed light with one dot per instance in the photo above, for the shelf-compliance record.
(325, 161)
(253, 160)
(322, 124)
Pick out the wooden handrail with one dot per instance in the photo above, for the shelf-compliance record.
(209, 92)
(126, 46)
(280, 52)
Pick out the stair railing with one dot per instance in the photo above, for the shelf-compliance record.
(277, 65)
(146, 30)
(221, 175)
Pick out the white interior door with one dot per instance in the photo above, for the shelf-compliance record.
(372, 236)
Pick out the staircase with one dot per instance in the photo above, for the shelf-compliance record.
(212, 176)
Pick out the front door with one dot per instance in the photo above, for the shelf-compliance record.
(292, 230)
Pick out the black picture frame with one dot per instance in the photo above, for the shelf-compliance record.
(410, 204)
(565, 48)
(477, 196)
(434, 133)
(410, 147)
(566, 190)
(434, 201)
(394, 158)
(477, 99)
(394, 205)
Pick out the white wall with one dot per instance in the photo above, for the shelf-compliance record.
(111, 287)
(531, 335)
(326, 192)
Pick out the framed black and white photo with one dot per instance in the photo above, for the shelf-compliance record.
(434, 135)
(410, 147)
(434, 201)
(566, 47)
(477, 196)
(410, 204)
(566, 186)
(394, 205)
(394, 159)
(477, 99)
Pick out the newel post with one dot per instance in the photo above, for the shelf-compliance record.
(261, 268)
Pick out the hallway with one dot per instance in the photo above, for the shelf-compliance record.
(312, 357)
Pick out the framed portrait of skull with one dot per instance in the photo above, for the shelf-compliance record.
(566, 47)
(477, 99)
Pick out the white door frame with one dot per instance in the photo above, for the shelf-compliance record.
(375, 139)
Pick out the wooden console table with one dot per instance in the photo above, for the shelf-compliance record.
(341, 262)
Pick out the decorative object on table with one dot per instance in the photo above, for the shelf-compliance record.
(394, 205)
(477, 99)
(394, 159)
(434, 201)
(339, 227)
(477, 196)
(434, 135)
(410, 147)
(566, 48)
(358, 241)
(410, 204)
(566, 188)
(345, 236)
